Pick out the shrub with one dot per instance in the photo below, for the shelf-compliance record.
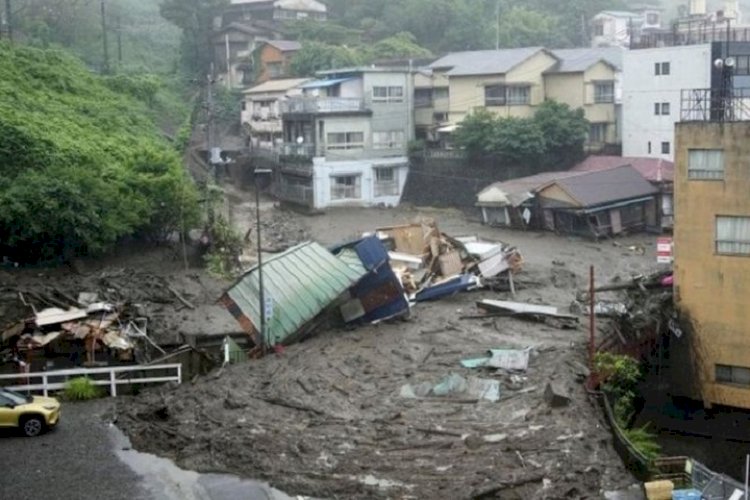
(81, 389)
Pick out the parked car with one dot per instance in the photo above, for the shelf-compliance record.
(31, 414)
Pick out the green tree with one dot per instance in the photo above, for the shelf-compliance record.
(475, 133)
(522, 27)
(518, 140)
(195, 20)
(316, 56)
(81, 164)
(564, 130)
(400, 45)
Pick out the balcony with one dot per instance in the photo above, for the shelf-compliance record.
(715, 105)
(316, 105)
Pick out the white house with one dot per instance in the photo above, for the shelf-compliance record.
(261, 109)
(612, 28)
(345, 139)
(653, 80)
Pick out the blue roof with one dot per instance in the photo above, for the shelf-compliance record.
(317, 84)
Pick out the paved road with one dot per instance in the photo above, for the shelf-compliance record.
(86, 458)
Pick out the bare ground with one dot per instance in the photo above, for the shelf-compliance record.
(325, 417)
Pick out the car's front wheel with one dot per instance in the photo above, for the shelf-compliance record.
(32, 426)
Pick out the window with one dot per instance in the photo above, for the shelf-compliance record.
(346, 140)
(742, 65)
(518, 95)
(661, 108)
(652, 18)
(598, 133)
(386, 181)
(649, 147)
(604, 92)
(275, 69)
(661, 68)
(599, 29)
(393, 139)
(732, 235)
(345, 187)
(440, 93)
(494, 95)
(244, 105)
(422, 98)
(665, 148)
(388, 94)
(500, 95)
(706, 164)
(727, 374)
(441, 117)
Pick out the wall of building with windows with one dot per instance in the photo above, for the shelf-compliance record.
(712, 254)
(361, 183)
(653, 80)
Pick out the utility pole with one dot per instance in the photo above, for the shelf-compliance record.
(497, 24)
(119, 42)
(105, 64)
(210, 120)
(9, 20)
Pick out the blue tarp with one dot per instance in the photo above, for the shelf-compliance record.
(318, 84)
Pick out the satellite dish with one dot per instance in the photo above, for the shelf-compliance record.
(300, 140)
(719, 63)
(729, 62)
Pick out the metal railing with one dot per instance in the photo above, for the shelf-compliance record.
(715, 105)
(322, 104)
(695, 35)
(111, 376)
(294, 193)
(293, 149)
(389, 188)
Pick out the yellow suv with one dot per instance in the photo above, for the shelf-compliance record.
(31, 414)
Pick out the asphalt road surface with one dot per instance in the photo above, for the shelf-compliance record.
(86, 458)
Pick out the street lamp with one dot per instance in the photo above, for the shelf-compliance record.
(261, 174)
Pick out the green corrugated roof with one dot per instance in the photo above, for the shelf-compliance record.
(302, 281)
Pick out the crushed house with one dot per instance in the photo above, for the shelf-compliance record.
(659, 172)
(593, 204)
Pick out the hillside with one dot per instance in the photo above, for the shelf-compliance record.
(82, 163)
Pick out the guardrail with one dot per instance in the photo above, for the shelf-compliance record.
(55, 380)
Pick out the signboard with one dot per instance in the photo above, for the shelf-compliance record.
(664, 250)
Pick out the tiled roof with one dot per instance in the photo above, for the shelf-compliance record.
(484, 62)
(285, 45)
(575, 60)
(606, 186)
(652, 169)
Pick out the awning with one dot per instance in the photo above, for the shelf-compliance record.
(616, 205)
(318, 84)
(447, 128)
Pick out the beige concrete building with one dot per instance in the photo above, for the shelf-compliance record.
(712, 259)
(512, 82)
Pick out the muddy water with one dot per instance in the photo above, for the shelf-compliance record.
(163, 480)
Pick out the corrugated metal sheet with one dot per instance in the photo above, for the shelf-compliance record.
(301, 282)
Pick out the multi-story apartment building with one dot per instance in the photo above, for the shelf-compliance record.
(345, 139)
(712, 248)
(513, 82)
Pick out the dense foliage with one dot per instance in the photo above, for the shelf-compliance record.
(554, 136)
(81, 161)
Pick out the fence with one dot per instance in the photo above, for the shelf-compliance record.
(107, 376)
(713, 105)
